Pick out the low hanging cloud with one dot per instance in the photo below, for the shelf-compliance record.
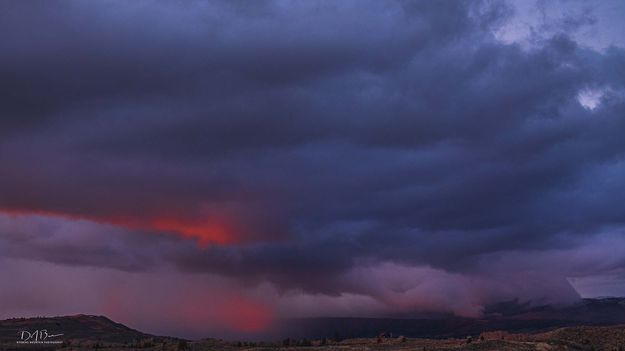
(302, 149)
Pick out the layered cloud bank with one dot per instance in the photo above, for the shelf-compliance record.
(251, 161)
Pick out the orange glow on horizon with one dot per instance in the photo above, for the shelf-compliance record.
(233, 312)
(201, 311)
(247, 315)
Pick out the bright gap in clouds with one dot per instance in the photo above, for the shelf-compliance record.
(590, 98)
(599, 286)
(596, 25)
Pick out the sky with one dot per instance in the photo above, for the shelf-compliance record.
(207, 168)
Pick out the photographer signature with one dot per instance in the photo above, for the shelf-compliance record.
(37, 336)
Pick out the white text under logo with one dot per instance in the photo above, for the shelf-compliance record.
(38, 337)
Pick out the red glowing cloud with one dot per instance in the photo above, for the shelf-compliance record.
(206, 230)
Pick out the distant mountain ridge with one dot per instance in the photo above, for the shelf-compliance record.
(511, 316)
(610, 310)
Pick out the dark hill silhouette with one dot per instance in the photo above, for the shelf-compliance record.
(77, 327)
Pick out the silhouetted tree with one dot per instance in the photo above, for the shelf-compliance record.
(147, 344)
(337, 337)
(183, 345)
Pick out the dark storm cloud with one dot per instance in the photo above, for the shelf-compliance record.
(332, 133)
(95, 53)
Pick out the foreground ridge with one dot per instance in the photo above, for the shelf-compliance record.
(86, 332)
